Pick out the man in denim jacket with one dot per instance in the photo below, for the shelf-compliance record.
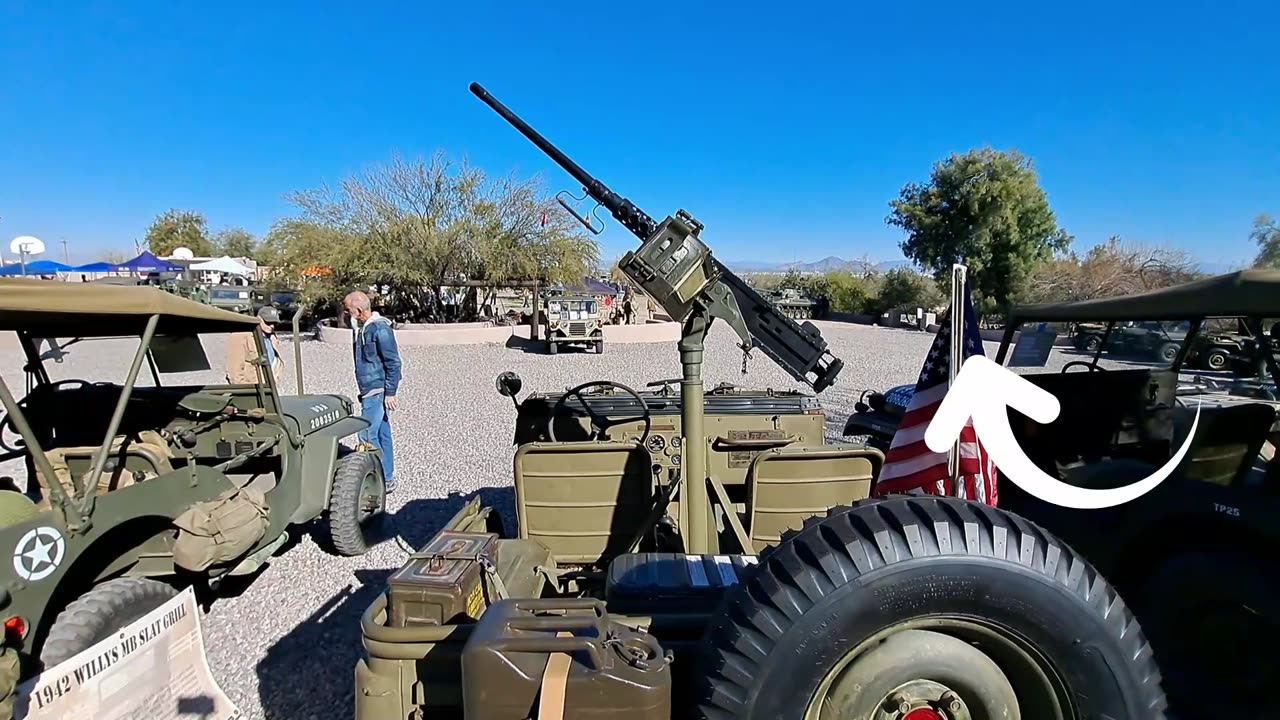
(377, 363)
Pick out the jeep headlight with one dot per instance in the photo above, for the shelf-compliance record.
(555, 324)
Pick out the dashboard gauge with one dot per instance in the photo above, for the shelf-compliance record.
(656, 443)
(675, 442)
(675, 459)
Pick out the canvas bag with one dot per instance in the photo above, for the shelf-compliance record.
(219, 531)
(148, 439)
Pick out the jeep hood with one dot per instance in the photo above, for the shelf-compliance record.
(309, 413)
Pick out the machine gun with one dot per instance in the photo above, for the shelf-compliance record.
(675, 267)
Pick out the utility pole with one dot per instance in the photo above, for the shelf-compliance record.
(66, 258)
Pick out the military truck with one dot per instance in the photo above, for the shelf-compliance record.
(134, 490)
(1196, 554)
(569, 319)
(234, 298)
(285, 302)
(684, 553)
(792, 303)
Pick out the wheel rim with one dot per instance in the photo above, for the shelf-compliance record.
(1039, 691)
(1169, 354)
(372, 497)
(1216, 361)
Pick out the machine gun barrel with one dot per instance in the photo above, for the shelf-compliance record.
(622, 209)
(677, 269)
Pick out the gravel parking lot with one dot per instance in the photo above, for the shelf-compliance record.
(285, 647)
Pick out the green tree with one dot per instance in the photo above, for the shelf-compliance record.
(179, 228)
(847, 292)
(904, 287)
(235, 242)
(984, 208)
(421, 224)
(1266, 235)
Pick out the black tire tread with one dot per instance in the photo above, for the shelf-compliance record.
(83, 621)
(340, 531)
(833, 550)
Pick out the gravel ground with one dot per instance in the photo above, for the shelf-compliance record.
(286, 645)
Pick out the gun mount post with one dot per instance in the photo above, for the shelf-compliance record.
(694, 503)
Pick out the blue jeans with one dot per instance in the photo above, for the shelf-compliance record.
(378, 433)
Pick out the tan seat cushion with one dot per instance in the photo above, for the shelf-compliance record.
(148, 445)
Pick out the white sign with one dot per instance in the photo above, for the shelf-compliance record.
(153, 669)
(1033, 348)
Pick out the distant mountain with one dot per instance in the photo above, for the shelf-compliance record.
(826, 264)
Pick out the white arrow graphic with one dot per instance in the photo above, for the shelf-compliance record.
(982, 390)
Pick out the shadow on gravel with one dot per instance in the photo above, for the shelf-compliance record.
(419, 520)
(308, 673)
(532, 347)
(539, 347)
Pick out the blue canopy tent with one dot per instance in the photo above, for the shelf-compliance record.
(37, 267)
(147, 263)
(98, 267)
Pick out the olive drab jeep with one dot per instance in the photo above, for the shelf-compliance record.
(1195, 556)
(135, 490)
(572, 319)
(684, 552)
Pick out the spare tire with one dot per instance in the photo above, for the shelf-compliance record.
(858, 615)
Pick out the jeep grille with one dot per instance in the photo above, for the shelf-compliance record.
(577, 328)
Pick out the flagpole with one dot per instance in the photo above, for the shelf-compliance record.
(958, 278)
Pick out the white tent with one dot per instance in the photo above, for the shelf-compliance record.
(224, 265)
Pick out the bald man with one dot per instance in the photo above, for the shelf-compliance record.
(377, 364)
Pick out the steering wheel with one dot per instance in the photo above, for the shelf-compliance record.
(599, 423)
(1086, 363)
(7, 423)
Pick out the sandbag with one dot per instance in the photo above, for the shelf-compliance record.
(219, 531)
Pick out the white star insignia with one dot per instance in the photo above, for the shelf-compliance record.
(39, 554)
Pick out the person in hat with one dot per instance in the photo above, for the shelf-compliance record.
(242, 351)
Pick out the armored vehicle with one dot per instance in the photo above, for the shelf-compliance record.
(134, 490)
(235, 298)
(684, 553)
(1196, 555)
(572, 319)
(796, 306)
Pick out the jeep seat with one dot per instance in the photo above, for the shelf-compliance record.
(584, 501)
(130, 460)
(1226, 443)
(786, 486)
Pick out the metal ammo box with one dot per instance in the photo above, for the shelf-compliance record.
(443, 583)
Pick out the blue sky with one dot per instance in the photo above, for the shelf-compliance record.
(786, 129)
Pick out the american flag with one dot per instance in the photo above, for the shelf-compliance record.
(910, 466)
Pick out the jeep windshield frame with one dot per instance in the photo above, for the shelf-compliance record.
(1249, 296)
(34, 309)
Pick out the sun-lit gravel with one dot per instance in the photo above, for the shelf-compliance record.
(285, 647)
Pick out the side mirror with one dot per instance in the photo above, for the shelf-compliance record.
(508, 384)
